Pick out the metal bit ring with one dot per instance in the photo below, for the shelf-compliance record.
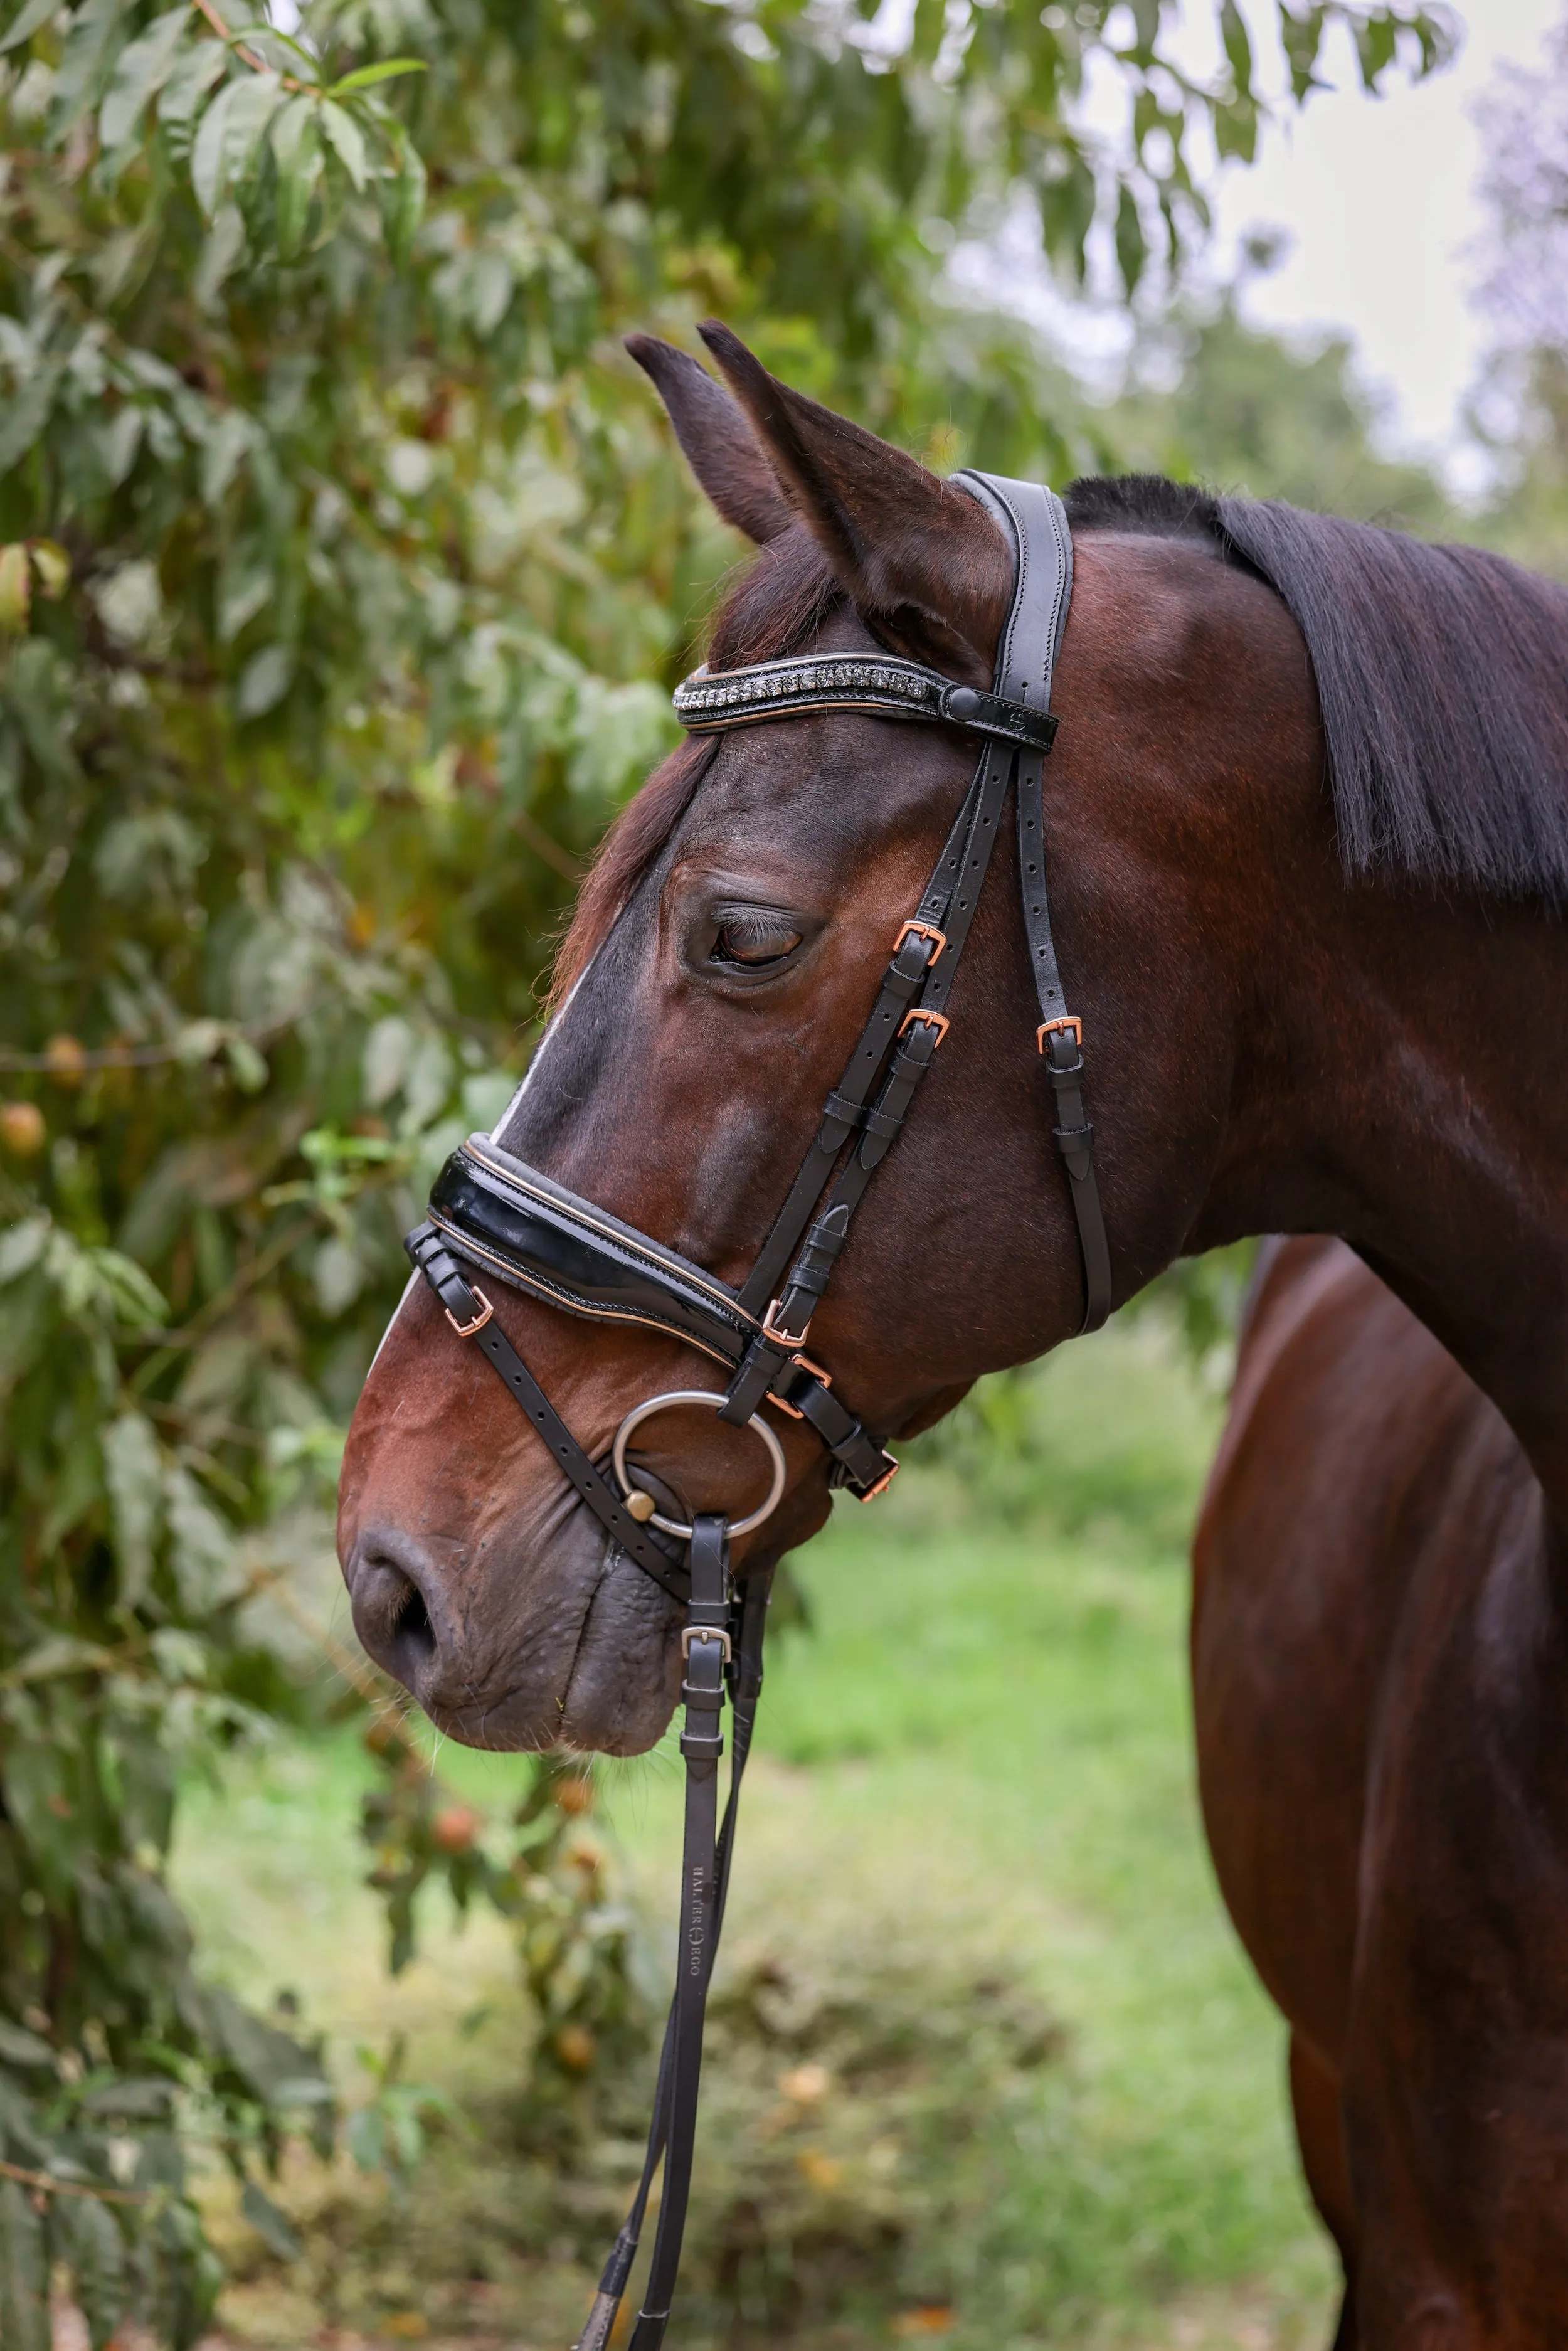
(646, 1410)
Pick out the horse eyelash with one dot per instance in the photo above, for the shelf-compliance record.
(754, 937)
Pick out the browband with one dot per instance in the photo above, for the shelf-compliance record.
(889, 684)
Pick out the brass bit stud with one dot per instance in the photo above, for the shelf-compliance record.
(641, 1506)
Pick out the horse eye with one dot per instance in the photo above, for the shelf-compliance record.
(753, 939)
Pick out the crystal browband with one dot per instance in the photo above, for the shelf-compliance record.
(901, 689)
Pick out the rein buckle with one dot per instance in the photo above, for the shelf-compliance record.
(923, 931)
(1049, 1027)
(938, 1021)
(466, 1329)
(690, 1633)
(790, 1339)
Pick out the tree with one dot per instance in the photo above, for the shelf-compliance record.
(343, 567)
(1522, 408)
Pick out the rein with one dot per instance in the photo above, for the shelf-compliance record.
(492, 1214)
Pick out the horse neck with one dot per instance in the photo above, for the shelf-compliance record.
(1425, 1117)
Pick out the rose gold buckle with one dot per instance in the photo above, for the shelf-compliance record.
(923, 931)
(466, 1329)
(804, 1363)
(938, 1021)
(1049, 1027)
(791, 1339)
(882, 1483)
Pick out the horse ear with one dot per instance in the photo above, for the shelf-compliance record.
(921, 560)
(718, 444)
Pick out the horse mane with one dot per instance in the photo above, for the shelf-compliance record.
(1442, 677)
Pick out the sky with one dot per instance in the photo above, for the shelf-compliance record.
(1378, 198)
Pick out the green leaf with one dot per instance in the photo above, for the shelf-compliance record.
(1302, 34)
(143, 69)
(230, 134)
(367, 76)
(271, 2224)
(403, 201)
(349, 139)
(297, 155)
(99, 29)
(20, 2048)
(200, 1546)
(263, 681)
(133, 1471)
(21, 1247)
(89, 2239)
(1376, 45)
(193, 75)
(133, 1295)
(23, 419)
(34, 16)
(1238, 46)
(1132, 246)
(24, 2273)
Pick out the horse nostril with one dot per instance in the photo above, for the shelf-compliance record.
(391, 1613)
(411, 1627)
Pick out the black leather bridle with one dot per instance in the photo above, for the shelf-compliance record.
(493, 1215)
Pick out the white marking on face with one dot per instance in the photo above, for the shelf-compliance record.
(409, 1287)
(498, 1133)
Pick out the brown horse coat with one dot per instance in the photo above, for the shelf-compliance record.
(1305, 821)
(1380, 1665)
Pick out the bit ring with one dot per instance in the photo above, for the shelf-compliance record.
(646, 1410)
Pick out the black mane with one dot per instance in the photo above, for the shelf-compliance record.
(1442, 673)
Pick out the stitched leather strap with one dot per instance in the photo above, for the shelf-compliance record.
(675, 2100)
(1036, 520)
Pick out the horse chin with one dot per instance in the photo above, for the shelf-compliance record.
(595, 1665)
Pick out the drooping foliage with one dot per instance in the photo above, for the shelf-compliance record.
(342, 566)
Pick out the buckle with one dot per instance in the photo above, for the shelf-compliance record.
(690, 1633)
(466, 1329)
(1049, 1027)
(882, 1483)
(938, 1021)
(804, 1363)
(790, 1339)
(923, 931)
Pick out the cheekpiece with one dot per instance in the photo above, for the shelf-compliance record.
(709, 702)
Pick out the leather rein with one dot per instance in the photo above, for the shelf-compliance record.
(492, 1215)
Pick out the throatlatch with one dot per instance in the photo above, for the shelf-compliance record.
(492, 1214)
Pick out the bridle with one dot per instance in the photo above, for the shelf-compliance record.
(492, 1214)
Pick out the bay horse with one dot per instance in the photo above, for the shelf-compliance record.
(1306, 820)
(1380, 1654)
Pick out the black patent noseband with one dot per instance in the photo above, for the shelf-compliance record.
(493, 1215)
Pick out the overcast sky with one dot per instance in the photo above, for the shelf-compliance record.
(1378, 197)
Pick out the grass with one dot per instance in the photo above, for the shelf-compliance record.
(1037, 2096)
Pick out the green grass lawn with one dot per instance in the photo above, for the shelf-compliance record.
(1049, 2102)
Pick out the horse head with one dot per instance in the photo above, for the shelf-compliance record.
(725, 954)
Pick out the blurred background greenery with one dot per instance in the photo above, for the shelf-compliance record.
(345, 564)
